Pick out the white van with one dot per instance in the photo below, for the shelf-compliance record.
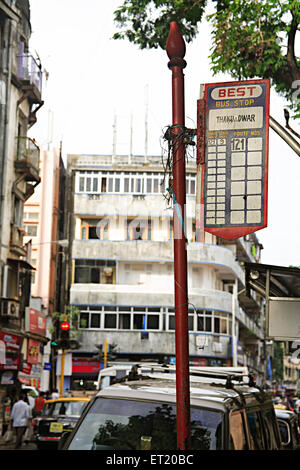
(110, 374)
(28, 388)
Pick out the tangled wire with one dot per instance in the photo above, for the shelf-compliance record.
(170, 145)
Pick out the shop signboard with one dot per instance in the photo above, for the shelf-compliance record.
(10, 351)
(33, 351)
(35, 321)
(84, 366)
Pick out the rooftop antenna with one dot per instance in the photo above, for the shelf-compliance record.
(146, 122)
(114, 138)
(131, 141)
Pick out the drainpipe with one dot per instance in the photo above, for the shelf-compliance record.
(4, 119)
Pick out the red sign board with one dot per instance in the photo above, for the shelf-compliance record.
(85, 366)
(10, 351)
(33, 351)
(37, 322)
(234, 158)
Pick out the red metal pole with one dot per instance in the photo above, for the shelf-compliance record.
(176, 51)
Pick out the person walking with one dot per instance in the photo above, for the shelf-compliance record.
(20, 416)
(39, 403)
(54, 394)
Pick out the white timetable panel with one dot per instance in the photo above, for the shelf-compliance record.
(234, 184)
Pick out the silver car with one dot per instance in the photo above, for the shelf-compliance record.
(139, 412)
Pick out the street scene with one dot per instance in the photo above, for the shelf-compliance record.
(149, 248)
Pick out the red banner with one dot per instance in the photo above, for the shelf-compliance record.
(85, 366)
(33, 351)
(37, 322)
(10, 351)
(12, 342)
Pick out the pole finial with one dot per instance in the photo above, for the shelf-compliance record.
(175, 47)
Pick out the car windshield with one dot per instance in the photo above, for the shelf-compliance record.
(127, 424)
(64, 408)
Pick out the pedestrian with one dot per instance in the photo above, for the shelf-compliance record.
(20, 416)
(47, 395)
(297, 404)
(54, 394)
(31, 402)
(39, 404)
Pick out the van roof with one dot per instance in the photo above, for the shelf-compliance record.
(204, 391)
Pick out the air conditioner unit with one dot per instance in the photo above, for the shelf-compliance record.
(10, 308)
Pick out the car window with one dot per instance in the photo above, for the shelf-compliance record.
(295, 433)
(62, 408)
(284, 432)
(124, 424)
(270, 424)
(237, 438)
(255, 430)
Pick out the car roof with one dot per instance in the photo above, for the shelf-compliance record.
(203, 391)
(280, 413)
(70, 399)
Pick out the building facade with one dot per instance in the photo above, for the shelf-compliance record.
(43, 212)
(121, 269)
(22, 334)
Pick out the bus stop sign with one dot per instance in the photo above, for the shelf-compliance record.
(234, 176)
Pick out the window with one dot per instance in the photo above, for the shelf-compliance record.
(138, 229)
(255, 430)
(237, 439)
(18, 212)
(190, 184)
(119, 424)
(95, 320)
(270, 429)
(95, 271)
(95, 229)
(122, 318)
(127, 182)
(88, 181)
(215, 322)
(31, 215)
(31, 230)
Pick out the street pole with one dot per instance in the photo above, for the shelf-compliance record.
(234, 338)
(105, 353)
(62, 372)
(175, 48)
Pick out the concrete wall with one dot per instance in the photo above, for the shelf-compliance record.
(157, 343)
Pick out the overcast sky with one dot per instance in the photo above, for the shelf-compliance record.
(94, 80)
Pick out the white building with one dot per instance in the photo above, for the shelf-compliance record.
(121, 234)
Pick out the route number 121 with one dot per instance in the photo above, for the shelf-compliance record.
(238, 144)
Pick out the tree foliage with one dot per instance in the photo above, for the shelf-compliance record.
(71, 315)
(251, 38)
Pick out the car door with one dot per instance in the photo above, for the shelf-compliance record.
(238, 432)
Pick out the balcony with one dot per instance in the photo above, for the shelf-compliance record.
(220, 258)
(30, 75)
(27, 159)
(16, 241)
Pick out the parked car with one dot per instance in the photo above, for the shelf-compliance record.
(139, 412)
(58, 416)
(32, 390)
(288, 427)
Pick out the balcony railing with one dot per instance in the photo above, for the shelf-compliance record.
(29, 70)
(28, 150)
(16, 240)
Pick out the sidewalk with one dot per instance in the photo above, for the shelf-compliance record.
(11, 446)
